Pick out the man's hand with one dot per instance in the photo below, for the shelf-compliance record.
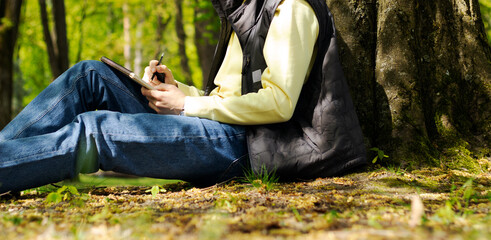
(152, 68)
(167, 99)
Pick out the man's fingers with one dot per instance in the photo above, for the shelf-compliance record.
(165, 87)
(148, 71)
(147, 75)
(153, 63)
(158, 107)
(155, 95)
(149, 94)
(168, 73)
(169, 78)
(152, 106)
(163, 69)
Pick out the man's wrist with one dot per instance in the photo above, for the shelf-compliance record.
(183, 110)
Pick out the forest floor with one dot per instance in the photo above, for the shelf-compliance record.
(385, 203)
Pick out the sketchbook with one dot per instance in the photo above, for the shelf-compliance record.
(127, 72)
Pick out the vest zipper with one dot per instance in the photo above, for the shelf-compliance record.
(247, 62)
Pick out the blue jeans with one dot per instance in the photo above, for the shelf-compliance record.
(92, 117)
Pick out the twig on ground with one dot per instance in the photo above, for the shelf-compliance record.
(5, 193)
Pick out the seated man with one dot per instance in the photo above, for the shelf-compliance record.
(92, 117)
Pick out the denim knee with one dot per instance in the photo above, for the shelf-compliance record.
(84, 67)
(90, 65)
(91, 119)
(74, 74)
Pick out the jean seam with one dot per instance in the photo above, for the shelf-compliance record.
(70, 90)
(173, 136)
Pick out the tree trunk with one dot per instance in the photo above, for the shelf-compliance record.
(57, 42)
(111, 20)
(181, 38)
(419, 72)
(138, 44)
(81, 29)
(206, 31)
(61, 34)
(9, 24)
(161, 26)
(127, 36)
(18, 91)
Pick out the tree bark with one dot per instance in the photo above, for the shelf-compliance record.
(419, 72)
(56, 42)
(138, 44)
(206, 30)
(111, 20)
(61, 34)
(127, 36)
(81, 29)
(10, 15)
(181, 38)
(161, 26)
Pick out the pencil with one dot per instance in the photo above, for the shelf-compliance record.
(160, 61)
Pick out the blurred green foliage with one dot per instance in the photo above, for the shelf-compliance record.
(95, 29)
(486, 16)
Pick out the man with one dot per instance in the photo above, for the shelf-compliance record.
(176, 131)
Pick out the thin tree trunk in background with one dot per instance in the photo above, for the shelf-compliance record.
(10, 15)
(420, 74)
(47, 38)
(18, 91)
(181, 38)
(61, 34)
(127, 36)
(56, 42)
(206, 25)
(81, 30)
(138, 46)
(110, 19)
(161, 26)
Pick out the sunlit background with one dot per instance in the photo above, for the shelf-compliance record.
(96, 28)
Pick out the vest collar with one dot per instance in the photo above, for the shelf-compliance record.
(225, 7)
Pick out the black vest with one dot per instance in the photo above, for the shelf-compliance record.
(323, 138)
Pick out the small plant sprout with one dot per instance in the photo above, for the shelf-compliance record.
(62, 194)
(380, 154)
(156, 189)
(262, 179)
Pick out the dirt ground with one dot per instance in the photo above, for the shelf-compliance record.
(386, 203)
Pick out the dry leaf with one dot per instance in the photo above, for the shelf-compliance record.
(417, 211)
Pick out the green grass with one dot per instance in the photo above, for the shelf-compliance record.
(96, 181)
(261, 179)
(89, 181)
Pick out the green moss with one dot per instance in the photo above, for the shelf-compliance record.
(450, 150)
(416, 154)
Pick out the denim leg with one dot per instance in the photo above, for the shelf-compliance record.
(87, 86)
(162, 146)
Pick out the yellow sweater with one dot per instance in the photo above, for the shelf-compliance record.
(289, 54)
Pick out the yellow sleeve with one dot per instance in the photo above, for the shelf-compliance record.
(189, 90)
(288, 52)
